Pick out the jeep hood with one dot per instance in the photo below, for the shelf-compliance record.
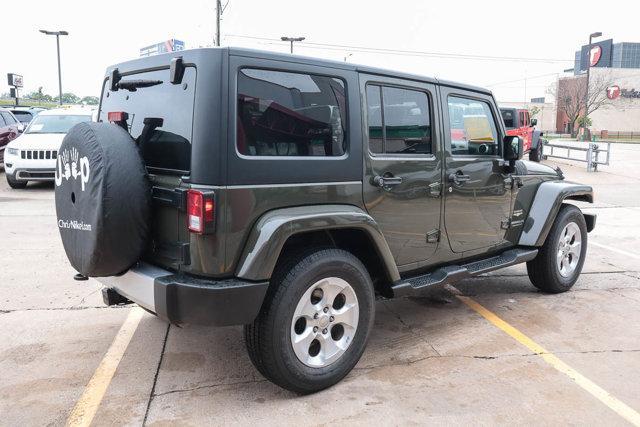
(38, 141)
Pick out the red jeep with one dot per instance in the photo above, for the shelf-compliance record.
(518, 123)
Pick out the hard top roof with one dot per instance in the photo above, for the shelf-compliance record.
(192, 55)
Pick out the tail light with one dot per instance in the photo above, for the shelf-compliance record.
(118, 117)
(200, 211)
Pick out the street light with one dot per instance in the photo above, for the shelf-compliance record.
(291, 40)
(57, 34)
(586, 92)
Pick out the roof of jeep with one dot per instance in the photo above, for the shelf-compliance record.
(192, 55)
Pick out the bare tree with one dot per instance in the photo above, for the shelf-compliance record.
(570, 96)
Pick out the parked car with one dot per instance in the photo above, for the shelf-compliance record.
(286, 194)
(25, 114)
(10, 128)
(518, 122)
(32, 156)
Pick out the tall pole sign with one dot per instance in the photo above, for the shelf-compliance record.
(15, 82)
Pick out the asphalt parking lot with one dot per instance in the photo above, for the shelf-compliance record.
(439, 360)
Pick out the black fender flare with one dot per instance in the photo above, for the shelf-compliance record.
(272, 230)
(545, 207)
(536, 139)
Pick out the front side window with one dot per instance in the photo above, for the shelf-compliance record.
(23, 116)
(402, 125)
(290, 114)
(472, 126)
(7, 118)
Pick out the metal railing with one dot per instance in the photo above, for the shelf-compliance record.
(592, 154)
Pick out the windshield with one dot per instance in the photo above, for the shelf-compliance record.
(55, 124)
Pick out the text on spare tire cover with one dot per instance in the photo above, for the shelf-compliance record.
(69, 165)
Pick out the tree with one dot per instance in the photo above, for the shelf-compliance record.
(570, 96)
(534, 111)
(90, 100)
(68, 98)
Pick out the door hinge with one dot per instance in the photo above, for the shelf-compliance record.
(508, 183)
(433, 236)
(505, 223)
(435, 188)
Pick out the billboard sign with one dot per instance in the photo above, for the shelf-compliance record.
(14, 80)
(171, 45)
(599, 55)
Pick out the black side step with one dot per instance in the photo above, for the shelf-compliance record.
(454, 273)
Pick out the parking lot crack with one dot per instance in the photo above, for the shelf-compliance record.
(397, 316)
(155, 377)
(205, 386)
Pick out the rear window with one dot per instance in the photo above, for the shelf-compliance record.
(160, 118)
(23, 116)
(508, 117)
(290, 114)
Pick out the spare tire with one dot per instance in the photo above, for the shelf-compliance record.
(103, 199)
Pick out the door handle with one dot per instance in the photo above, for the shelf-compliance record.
(386, 181)
(459, 178)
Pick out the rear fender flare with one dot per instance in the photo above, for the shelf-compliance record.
(271, 231)
(545, 207)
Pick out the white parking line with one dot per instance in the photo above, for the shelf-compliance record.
(616, 250)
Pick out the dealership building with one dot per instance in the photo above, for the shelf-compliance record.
(614, 81)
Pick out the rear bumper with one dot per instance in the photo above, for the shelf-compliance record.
(183, 299)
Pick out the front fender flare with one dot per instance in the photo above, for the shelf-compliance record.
(272, 230)
(545, 207)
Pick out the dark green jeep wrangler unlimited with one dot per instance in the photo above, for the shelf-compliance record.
(238, 187)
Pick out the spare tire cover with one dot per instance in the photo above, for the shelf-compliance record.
(103, 199)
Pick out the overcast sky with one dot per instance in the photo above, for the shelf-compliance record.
(104, 33)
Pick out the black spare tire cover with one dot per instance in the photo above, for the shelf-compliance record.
(103, 199)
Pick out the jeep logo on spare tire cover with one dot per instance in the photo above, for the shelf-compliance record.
(103, 199)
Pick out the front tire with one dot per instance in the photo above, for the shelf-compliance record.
(559, 262)
(535, 155)
(15, 184)
(314, 323)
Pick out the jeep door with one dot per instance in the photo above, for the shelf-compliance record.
(477, 190)
(402, 180)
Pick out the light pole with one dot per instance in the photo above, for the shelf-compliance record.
(586, 91)
(291, 40)
(57, 34)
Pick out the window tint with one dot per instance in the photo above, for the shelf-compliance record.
(160, 118)
(473, 129)
(508, 118)
(403, 125)
(290, 114)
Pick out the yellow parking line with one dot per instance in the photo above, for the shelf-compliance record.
(589, 386)
(86, 408)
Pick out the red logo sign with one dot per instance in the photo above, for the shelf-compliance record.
(594, 55)
(613, 92)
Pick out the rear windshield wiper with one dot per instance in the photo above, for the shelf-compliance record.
(133, 85)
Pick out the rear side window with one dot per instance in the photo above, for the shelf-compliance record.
(7, 118)
(473, 129)
(160, 118)
(290, 114)
(402, 125)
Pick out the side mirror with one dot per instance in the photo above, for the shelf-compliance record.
(513, 148)
(20, 127)
(534, 122)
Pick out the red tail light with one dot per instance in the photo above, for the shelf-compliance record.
(200, 211)
(117, 116)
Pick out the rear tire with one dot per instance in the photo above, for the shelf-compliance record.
(303, 353)
(15, 184)
(559, 262)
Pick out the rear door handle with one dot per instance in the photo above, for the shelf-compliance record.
(386, 181)
(459, 178)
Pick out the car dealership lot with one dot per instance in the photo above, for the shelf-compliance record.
(429, 360)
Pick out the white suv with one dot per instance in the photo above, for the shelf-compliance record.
(32, 156)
